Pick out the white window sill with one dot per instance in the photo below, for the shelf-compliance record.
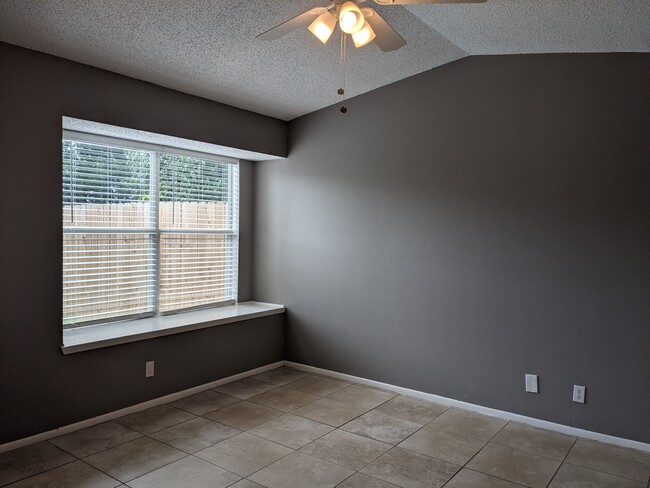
(105, 335)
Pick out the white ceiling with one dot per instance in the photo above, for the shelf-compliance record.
(543, 26)
(208, 48)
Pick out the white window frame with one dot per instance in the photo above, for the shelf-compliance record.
(156, 149)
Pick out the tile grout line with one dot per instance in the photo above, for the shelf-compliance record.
(494, 476)
(293, 451)
(534, 453)
(77, 458)
(148, 436)
(44, 471)
(305, 374)
(369, 476)
(239, 431)
(603, 472)
(562, 462)
(481, 410)
(200, 416)
(196, 416)
(259, 437)
(143, 474)
(242, 432)
(327, 397)
(372, 476)
(598, 470)
(316, 439)
(464, 466)
(339, 428)
(353, 473)
(334, 428)
(519, 450)
(478, 452)
(140, 475)
(221, 467)
(394, 446)
(101, 450)
(129, 410)
(429, 422)
(463, 435)
(292, 412)
(110, 476)
(185, 457)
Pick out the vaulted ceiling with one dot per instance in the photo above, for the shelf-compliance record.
(208, 47)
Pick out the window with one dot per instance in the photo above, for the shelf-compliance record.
(147, 230)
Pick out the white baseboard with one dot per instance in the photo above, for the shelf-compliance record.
(542, 424)
(132, 409)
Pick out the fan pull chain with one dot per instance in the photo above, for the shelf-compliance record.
(341, 91)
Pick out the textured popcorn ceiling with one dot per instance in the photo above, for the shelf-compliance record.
(208, 47)
(543, 26)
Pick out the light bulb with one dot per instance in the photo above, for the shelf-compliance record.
(350, 18)
(323, 27)
(364, 36)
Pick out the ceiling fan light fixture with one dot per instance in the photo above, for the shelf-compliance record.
(363, 36)
(350, 18)
(323, 27)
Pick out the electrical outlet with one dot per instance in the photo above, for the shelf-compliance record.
(579, 393)
(532, 385)
(148, 369)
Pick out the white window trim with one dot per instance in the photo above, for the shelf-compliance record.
(123, 133)
(145, 146)
(145, 324)
(90, 337)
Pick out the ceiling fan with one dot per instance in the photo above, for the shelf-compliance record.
(363, 24)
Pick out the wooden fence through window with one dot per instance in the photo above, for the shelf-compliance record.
(105, 275)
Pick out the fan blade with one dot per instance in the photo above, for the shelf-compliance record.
(283, 29)
(415, 2)
(386, 37)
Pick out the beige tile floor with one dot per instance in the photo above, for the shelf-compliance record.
(286, 428)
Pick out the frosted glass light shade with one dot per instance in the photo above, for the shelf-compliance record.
(363, 36)
(323, 27)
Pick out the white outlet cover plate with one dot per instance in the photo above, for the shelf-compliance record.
(579, 393)
(532, 385)
(148, 369)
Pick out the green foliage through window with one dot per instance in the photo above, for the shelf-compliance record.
(105, 174)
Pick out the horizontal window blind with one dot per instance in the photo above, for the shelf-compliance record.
(196, 270)
(199, 202)
(106, 186)
(145, 232)
(107, 276)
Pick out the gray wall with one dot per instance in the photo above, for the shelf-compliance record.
(465, 226)
(40, 389)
